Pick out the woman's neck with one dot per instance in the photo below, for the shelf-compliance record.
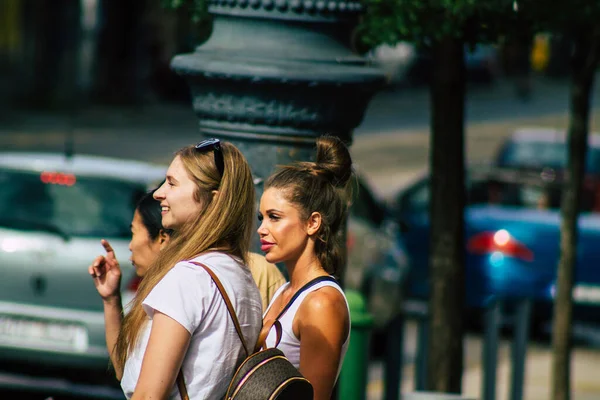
(303, 270)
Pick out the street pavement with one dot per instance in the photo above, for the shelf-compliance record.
(410, 109)
(390, 148)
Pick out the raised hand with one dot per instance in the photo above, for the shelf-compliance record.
(106, 272)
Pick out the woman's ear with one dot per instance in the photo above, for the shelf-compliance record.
(313, 224)
(215, 193)
(163, 238)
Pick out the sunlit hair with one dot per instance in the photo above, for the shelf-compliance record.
(323, 187)
(225, 223)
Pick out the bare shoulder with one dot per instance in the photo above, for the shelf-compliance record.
(324, 301)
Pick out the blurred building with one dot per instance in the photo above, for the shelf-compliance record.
(62, 53)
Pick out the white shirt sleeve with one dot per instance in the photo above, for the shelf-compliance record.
(182, 294)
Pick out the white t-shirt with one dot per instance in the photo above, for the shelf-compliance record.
(189, 296)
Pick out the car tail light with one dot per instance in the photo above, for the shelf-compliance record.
(350, 240)
(129, 293)
(500, 241)
(58, 178)
(134, 283)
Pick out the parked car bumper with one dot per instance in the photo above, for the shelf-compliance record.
(24, 336)
(497, 276)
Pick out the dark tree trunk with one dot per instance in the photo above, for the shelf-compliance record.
(585, 61)
(120, 52)
(51, 36)
(444, 372)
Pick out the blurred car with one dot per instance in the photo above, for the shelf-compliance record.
(543, 149)
(378, 264)
(405, 64)
(395, 61)
(53, 212)
(512, 234)
(481, 63)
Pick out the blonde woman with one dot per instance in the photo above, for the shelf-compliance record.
(178, 319)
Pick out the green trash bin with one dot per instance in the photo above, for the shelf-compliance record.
(354, 374)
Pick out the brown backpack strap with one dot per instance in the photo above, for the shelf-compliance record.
(261, 343)
(180, 381)
(230, 308)
(181, 386)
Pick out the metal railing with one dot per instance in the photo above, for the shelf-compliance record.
(418, 311)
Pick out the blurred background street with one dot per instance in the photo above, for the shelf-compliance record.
(390, 146)
(390, 149)
(93, 78)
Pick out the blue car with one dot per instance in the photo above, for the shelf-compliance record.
(544, 150)
(512, 234)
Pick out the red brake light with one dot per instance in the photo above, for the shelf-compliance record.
(500, 241)
(58, 178)
(134, 283)
(350, 239)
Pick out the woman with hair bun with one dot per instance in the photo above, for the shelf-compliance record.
(302, 210)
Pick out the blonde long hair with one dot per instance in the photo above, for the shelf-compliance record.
(225, 223)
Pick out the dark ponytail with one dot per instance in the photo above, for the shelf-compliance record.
(149, 209)
(321, 186)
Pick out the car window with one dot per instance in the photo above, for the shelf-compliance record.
(480, 190)
(365, 206)
(525, 195)
(67, 204)
(539, 154)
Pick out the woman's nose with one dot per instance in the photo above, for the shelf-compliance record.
(262, 231)
(158, 194)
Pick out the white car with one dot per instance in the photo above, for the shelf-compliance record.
(54, 210)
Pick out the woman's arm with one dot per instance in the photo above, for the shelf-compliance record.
(163, 358)
(113, 317)
(106, 272)
(322, 325)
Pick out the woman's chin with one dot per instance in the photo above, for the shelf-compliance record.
(273, 259)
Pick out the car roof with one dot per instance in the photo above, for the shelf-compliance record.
(87, 165)
(548, 135)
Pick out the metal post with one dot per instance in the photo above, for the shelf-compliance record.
(493, 315)
(519, 348)
(421, 361)
(419, 310)
(275, 75)
(394, 358)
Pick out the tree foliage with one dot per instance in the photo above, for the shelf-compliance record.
(564, 17)
(425, 21)
(197, 9)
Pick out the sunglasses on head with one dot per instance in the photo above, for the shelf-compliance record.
(215, 146)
